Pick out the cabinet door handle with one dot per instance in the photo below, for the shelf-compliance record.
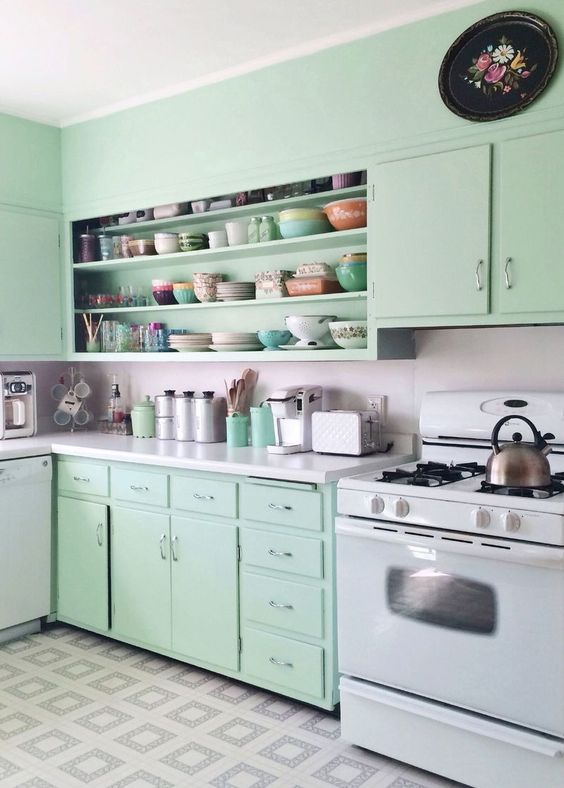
(99, 535)
(173, 546)
(280, 662)
(278, 553)
(279, 507)
(478, 277)
(199, 497)
(81, 479)
(162, 541)
(283, 605)
(508, 261)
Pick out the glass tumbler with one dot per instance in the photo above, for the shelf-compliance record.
(108, 332)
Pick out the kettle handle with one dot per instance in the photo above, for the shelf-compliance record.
(540, 443)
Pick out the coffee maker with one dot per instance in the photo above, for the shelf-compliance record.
(292, 410)
(18, 410)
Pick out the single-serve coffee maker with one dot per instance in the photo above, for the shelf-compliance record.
(292, 410)
(18, 410)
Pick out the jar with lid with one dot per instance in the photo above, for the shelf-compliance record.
(143, 419)
(268, 229)
(253, 231)
(184, 416)
(164, 404)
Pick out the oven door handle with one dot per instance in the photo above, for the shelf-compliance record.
(475, 545)
(458, 719)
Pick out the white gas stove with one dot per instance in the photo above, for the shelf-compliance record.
(451, 601)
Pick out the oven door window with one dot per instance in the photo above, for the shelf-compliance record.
(442, 599)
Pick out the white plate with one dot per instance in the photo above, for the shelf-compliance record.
(305, 347)
(193, 349)
(233, 348)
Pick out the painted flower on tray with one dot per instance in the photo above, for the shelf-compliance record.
(499, 68)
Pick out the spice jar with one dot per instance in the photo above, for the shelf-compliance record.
(268, 229)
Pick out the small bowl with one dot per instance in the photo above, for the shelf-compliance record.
(347, 214)
(164, 296)
(184, 295)
(353, 257)
(352, 276)
(273, 338)
(200, 206)
(302, 214)
(297, 227)
(350, 334)
(205, 292)
(192, 242)
(166, 243)
(142, 247)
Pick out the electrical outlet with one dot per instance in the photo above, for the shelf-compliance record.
(379, 403)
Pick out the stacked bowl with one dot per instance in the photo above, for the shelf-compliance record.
(303, 221)
(347, 214)
(189, 343)
(230, 341)
(351, 271)
(184, 292)
(163, 292)
(166, 243)
(192, 242)
(205, 286)
(235, 291)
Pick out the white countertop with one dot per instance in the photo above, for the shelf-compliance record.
(217, 457)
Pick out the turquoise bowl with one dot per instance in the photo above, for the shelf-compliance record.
(352, 276)
(273, 338)
(185, 295)
(296, 227)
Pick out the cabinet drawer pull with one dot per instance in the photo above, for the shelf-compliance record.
(199, 497)
(162, 541)
(279, 507)
(279, 553)
(283, 605)
(99, 536)
(280, 662)
(138, 488)
(173, 546)
(85, 479)
(478, 277)
(508, 261)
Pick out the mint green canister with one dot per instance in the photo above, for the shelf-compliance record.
(143, 419)
(262, 426)
(237, 431)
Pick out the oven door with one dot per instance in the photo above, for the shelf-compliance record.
(463, 619)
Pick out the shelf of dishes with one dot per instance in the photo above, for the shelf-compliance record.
(337, 354)
(254, 234)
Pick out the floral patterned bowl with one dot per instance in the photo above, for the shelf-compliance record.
(347, 214)
(350, 334)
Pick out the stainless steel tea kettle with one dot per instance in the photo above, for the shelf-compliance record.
(519, 464)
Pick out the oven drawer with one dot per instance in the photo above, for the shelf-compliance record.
(282, 604)
(289, 663)
(282, 552)
(282, 506)
(83, 477)
(140, 486)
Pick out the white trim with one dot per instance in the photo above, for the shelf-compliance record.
(284, 55)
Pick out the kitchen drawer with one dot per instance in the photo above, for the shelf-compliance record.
(140, 486)
(205, 496)
(282, 604)
(83, 477)
(282, 506)
(288, 663)
(285, 553)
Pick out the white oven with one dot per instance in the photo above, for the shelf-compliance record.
(471, 621)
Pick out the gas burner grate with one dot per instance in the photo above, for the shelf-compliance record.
(433, 474)
(555, 488)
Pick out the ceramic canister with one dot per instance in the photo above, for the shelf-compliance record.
(143, 419)
(262, 426)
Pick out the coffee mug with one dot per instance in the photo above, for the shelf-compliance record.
(237, 233)
(217, 238)
(237, 430)
(262, 426)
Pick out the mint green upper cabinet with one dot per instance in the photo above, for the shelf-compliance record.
(429, 235)
(83, 563)
(140, 550)
(30, 296)
(205, 591)
(531, 200)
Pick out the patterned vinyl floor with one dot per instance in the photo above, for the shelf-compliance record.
(77, 709)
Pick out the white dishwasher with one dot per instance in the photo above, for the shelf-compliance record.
(25, 542)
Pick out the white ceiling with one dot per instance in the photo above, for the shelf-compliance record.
(63, 61)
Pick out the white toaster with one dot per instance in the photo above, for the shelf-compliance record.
(352, 432)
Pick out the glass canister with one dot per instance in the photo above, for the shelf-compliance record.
(268, 229)
(143, 419)
(253, 232)
(108, 331)
(87, 248)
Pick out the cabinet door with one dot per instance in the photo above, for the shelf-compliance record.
(141, 576)
(83, 568)
(205, 604)
(531, 197)
(429, 227)
(30, 296)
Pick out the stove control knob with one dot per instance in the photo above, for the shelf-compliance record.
(375, 504)
(481, 518)
(400, 508)
(511, 521)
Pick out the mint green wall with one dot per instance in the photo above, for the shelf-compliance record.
(281, 121)
(30, 164)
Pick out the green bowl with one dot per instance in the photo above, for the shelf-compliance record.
(297, 227)
(352, 276)
(185, 295)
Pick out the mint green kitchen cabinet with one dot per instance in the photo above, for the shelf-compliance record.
(83, 563)
(30, 296)
(429, 234)
(140, 549)
(205, 595)
(531, 200)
